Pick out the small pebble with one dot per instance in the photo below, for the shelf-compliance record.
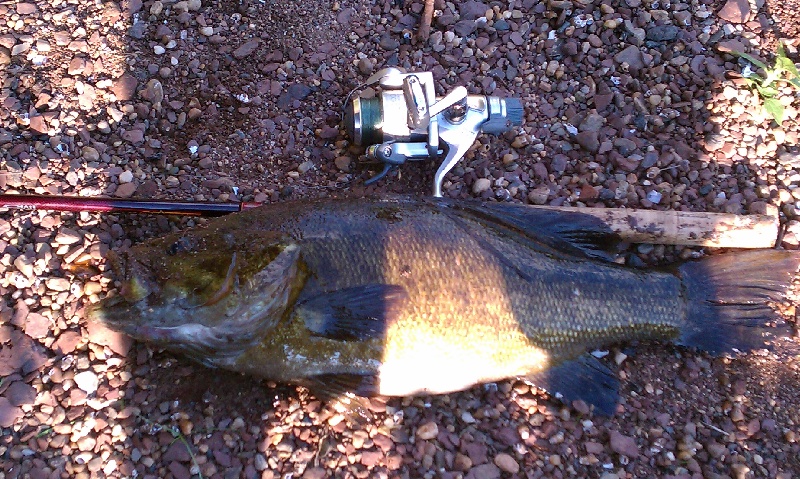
(624, 445)
(481, 185)
(428, 431)
(506, 463)
(87, 381)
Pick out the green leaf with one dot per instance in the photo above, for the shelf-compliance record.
(784, 63)
(792, 69)
(753, 80)
(772, 76)
(774, 108)
(751, 59)
(767, 91)
(788, 65)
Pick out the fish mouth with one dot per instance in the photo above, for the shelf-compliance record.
(99, 313)
(191, 332)
(136, 277)
(114, 313)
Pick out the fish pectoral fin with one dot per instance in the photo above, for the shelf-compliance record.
(345, 393)
(358, 313)
(583, 378)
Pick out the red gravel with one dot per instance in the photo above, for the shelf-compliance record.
(629, 103)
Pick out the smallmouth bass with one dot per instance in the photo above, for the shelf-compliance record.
(405, 297)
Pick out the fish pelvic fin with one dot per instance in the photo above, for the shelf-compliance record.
(345, 394)
(730, 299)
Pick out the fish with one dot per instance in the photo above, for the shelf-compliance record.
(406, 297)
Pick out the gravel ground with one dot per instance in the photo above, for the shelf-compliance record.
(630, 103)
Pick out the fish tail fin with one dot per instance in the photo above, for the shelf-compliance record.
(731, 299)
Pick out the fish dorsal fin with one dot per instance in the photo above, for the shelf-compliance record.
(554, 232)
(585, 378)
(356, 313)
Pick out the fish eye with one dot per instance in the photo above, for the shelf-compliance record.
(184, 244)
(172, 249)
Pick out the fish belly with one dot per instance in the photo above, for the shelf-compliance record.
(438, 365)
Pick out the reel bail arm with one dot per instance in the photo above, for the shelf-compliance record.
(407, 122)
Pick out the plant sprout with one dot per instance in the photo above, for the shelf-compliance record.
(783, 71)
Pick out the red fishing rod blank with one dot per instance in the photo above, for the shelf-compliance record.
(113, 205)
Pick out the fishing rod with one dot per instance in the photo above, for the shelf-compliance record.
(719, 230)
(114, 205)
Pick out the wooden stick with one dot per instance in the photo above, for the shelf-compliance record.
(687, 228)
(425, 22)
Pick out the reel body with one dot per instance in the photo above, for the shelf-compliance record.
(408, 122)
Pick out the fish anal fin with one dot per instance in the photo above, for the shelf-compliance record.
(583, 378)
(357, 313)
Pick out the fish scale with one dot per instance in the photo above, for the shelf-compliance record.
(403, 297)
